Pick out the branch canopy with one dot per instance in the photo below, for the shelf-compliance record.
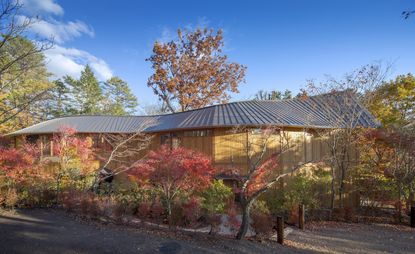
(192, 72)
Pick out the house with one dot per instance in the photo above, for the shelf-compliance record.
(207, 130)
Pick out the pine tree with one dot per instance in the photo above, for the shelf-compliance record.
(86, 91)
(60, 100)
(119, 100)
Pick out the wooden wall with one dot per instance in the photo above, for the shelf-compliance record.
(229, 150)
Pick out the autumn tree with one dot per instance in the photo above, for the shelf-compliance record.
(345, 103)
(75, 158)
(393, 153)
(121, 152)
(192, 71)
(370, 181)
(15, 161)
(394, 101)
(118, 98)
(263, 148)
(23, 75)
(175, 173)
(402, 165)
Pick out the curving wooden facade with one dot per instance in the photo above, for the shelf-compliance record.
(210, 130)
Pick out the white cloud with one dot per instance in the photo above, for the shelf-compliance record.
(59, 31)
(36, 7)
(63, 61)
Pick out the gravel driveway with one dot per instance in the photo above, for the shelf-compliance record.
(50, 231)
(332, 237)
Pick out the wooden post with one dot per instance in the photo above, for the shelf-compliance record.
(280, 230)
(301, 216)
(413, 217)
(41, 147)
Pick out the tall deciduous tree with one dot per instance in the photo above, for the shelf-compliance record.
(119, 100)
(392, 152)
(23, 76)
(86, 92)
(264, 169)
(346, 98)
(192, 71)
(394, 102)
(23, 86)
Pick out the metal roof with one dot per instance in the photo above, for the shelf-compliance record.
(321, 111)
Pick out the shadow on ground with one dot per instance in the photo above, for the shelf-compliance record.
(49, 231)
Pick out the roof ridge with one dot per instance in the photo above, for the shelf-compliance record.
(312, 110)
(210, 106)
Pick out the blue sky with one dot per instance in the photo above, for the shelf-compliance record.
(283, 43)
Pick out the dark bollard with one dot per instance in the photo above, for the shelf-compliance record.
(280, 230)
(413, 217)
(301, 216)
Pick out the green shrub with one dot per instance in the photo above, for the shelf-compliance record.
(308, 189)
(300, 191)
(215, 197)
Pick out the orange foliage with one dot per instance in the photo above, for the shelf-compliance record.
(192, 71)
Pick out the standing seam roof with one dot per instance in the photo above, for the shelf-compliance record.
(321, 111)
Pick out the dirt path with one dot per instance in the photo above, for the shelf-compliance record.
(332, 237)
(46, 231)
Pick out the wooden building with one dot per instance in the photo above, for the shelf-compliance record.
(210, 130)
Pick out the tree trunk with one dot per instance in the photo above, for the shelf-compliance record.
(399, 202)
(410, 201)
(333, 188)
(341, 185)
(246, 210)
(58, 187)
(168, 204)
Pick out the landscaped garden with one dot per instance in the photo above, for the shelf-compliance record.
(326, 167)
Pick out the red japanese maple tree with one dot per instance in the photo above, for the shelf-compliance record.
(174, 172)
(73, 153)
(14, 162)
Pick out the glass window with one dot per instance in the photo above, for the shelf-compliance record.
(164, 139)
(198, 133)
(32, 139)
(175, 142)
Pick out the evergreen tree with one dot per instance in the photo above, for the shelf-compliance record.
(119, 100)
(60, 100)
(87, 93)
